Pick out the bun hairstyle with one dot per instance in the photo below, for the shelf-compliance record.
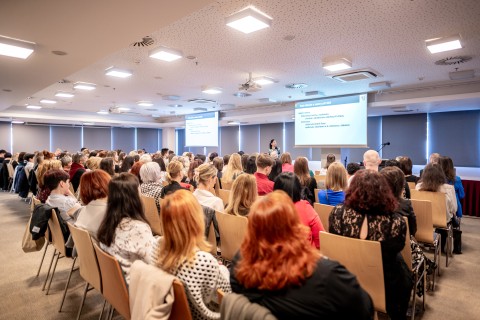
(174, 169)
(205, 172)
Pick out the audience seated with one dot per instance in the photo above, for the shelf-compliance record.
(406, 166)
(58, 184)
(233, 170)
(330, 160)
(108, 165)
(433, 179)
(183, 252)
(453, 180)
(352, 168)
(368, 213)
(276, 170)
(43, 167)
(335, 184)
(308, 183)
(251, 166)
(371, 160)
(190, 177)
(290, 183)
(127, 164)
(264, 167)
(93, 194)
(151, 185)
(242, 196)
(76, 170)
(406, 188)
(135, 170)
(286, 161)
(207, 177)
(174, 177)
(278, 269)
(124, 232)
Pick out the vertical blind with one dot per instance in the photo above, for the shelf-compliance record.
(5, 135)
(124, 139)
(66, 138)
(149, 139)
(97, 138)
(30, 138)
(249, 141)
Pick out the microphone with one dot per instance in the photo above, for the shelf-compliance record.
(386, 144)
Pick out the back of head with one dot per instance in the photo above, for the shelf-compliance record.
(44, 167)
(300, 168)
(286, 158)
(395, 179)
(107, 165)
(336, 178)
(66, 161)
(93, 163)
(290, 184)
(127, 164)
(226, 158)
(28, 156)
(77, 157)
(218, 163)
(150, 172)
(406, 165)
(352, 167)
(432, 177)
(145, 158)
(205, 172)
(275, 255)
(264, 160)
(434, 158)
(53, 177)
(392, 163)
(183, 230)
(371, 159)
(123, 202)
(174, 170)
(243, 194)
(446, 164)
(212, 156)
(94, 185)
(135, 170)
(369, 193)
(251, 166)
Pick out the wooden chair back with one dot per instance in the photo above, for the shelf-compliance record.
(10, 170)
(411, 185)
(180, 307)
(152, 215)
(56, 233)
(317, 172)
(232, 231)
(323, 211)
(227, 185)
(316, 195)
(165, 183)
(423, 212)
(113, 283)
(224, 195)
(89, 269)
(439, 205)
(320, 181)
(220, 295)
(363, 258)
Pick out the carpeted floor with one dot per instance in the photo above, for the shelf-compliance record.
(456, 297)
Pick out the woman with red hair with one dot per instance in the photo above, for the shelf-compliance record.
(368, 213)
(278, 268)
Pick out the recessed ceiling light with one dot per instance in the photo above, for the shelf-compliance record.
(33, 107)
(165, 54)
(212, 90)
(84, 86)
(88, 123)
(16, 48)
(263, 80)
(102, 112)
(337, 65)
(144, 103)
(64, 94)
(443, 44)
(248, 20)
(18, 122)
(123, 109)
(47, 101)
(234, 122)
(119, 73)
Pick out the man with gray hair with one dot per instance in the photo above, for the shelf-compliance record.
(371, 160)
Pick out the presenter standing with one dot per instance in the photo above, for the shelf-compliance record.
(273, 147)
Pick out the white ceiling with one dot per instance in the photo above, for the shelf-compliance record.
(382, 35)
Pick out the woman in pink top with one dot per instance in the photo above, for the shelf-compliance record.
(286, 160)
(290, 183)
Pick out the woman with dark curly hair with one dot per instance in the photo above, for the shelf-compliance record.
(277, 268)
(368, 213)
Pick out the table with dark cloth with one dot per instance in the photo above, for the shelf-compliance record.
(471, 202)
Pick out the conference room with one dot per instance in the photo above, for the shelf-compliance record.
(318, 77)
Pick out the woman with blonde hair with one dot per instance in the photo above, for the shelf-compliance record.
(174, 177)
(234, 169)
(206, 177)
(335, 184)
(93, 163)
(277, 268)
(242, 196)
(43, 167)
(183, 252)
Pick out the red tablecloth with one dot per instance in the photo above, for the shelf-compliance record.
(471, 202)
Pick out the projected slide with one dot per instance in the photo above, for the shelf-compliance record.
(201, 130)
(332, 122)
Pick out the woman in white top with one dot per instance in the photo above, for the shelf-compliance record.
(206, 178)
(434, 180)
(183, 252)
(124, 232)
(93, 194)
(57, 182)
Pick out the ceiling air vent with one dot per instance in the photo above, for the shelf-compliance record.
(201, 101)
(146, 41)
(453, 60)
(403, 109)
(354, 76)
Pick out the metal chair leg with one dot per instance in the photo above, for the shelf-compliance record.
(66, 285)
(53, 272)
(49, 268)
(83, 300)
(43, 257)
(103, 309)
